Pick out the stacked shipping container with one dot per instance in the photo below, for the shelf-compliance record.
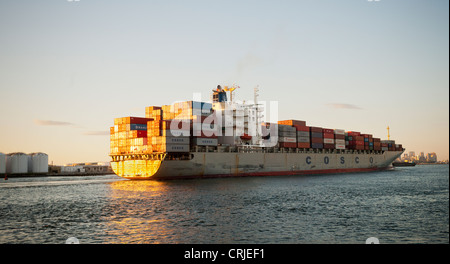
(339, 138)
(316, 137)
(178, 127)
(184, 125)
(129, 135)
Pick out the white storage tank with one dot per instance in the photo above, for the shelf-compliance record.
(17, 163)
(2, 163)
(39, 163)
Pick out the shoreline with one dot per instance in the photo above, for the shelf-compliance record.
(76, 174)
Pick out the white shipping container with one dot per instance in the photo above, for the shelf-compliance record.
(328, 141)
(176, 140)
(340, 146)
(339, 141)
(287, 139)
(175, 148)
(205, 141)
(339, 131)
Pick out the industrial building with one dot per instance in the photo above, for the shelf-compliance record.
(21, 163)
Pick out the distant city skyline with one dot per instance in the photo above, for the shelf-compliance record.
(429, 157)
(68, 68)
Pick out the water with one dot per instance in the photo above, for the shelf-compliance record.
(407, 205)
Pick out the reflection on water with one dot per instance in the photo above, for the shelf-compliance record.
(135, 213)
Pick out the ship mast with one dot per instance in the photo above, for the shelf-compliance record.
(388, 133)
(257, 124)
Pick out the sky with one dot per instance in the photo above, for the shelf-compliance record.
(68, 68)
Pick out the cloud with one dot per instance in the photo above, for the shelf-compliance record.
(344, 106)
(51, 123)
(97, 133)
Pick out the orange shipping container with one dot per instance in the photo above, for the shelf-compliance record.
(292, 122)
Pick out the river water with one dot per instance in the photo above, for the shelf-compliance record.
(405, 205)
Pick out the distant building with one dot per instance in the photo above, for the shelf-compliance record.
(432, 157)
(421, 157)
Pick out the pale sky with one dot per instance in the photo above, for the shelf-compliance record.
(67, 69)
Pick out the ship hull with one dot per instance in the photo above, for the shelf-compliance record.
(240, 164)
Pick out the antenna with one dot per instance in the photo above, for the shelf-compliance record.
(231, 89)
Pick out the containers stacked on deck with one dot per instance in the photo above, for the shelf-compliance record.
(355, 140)
(177, 127)
(389, 145)
(129, 136)
(316, 134)
(303, 136)
(328, 138)
(339, 138)
(293, 134)
(368, 141)
(164, 136)
(186, 125)
(287, 136)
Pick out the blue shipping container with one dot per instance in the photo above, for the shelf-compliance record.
(316, 145)
(316, 134)
(138, 127)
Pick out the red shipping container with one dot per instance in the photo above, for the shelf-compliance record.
(288, 145)
(328, 146)
(141, 133)
(137, 120)
(315, 129)
(316, 140)
(301, 128)
(353, 133)
(359, 147)
(303, 145)
(328, 131)
(328, 135)
(359, 143)
(337, 136)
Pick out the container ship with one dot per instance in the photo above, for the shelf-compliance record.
(226, 138)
